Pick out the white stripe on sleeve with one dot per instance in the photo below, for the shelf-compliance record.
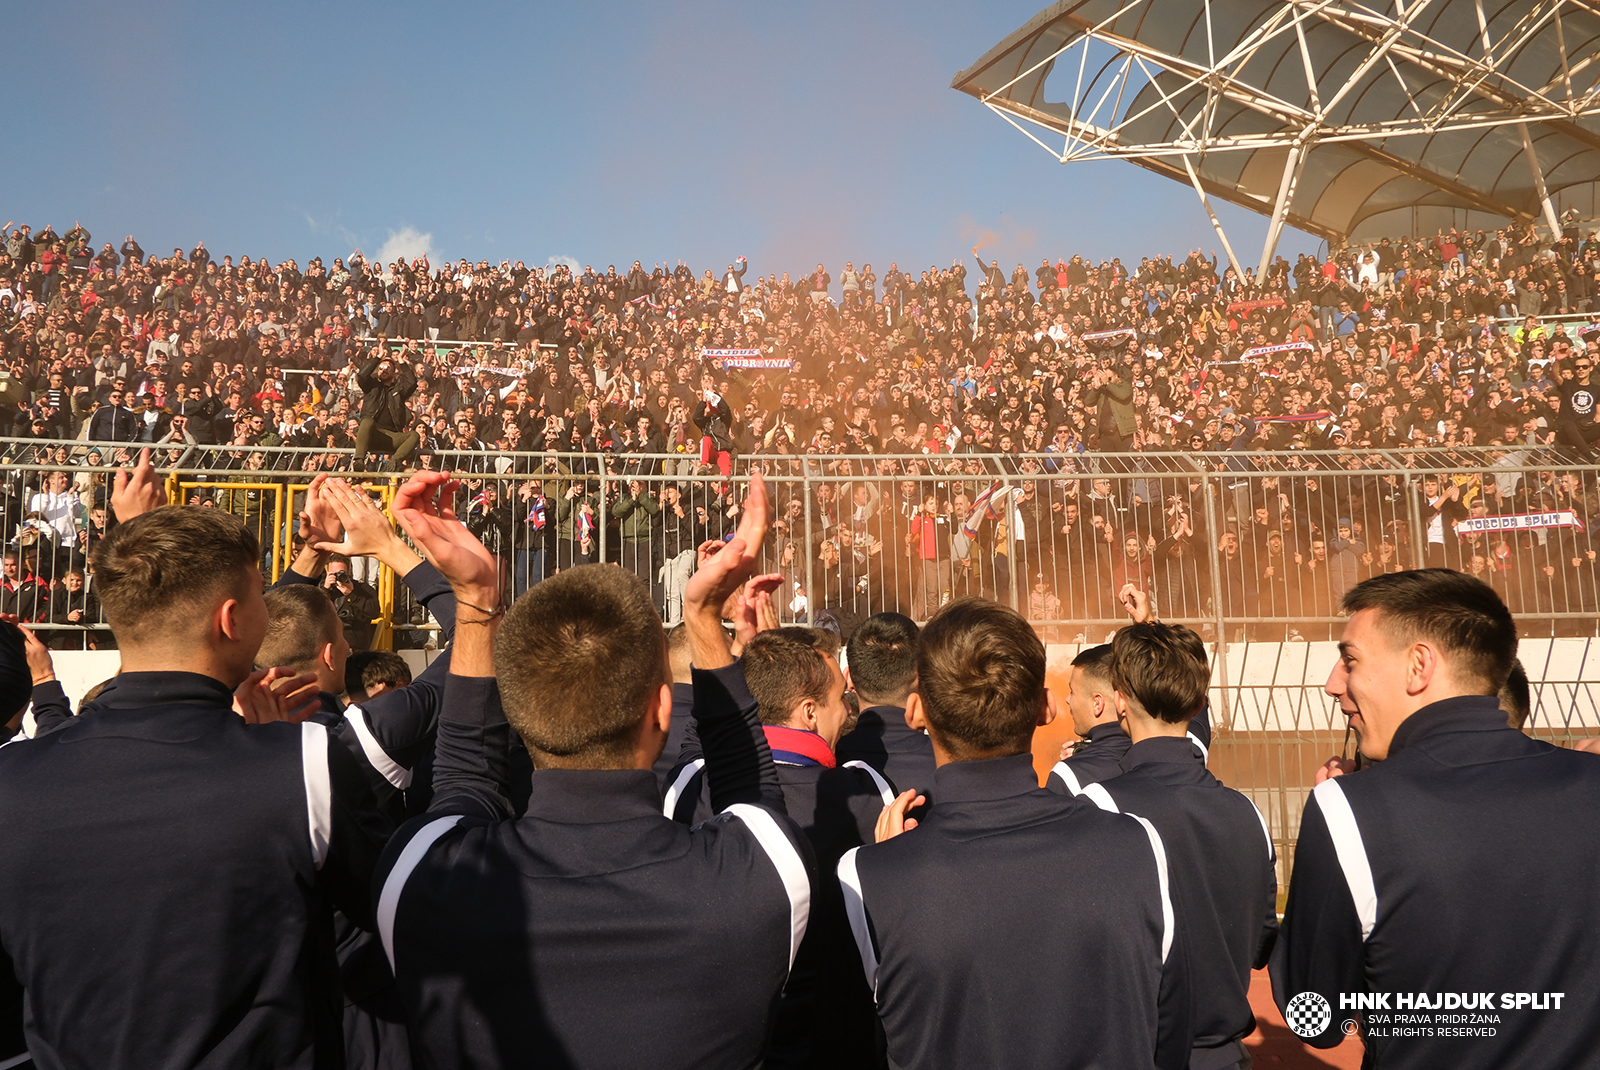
(1352, 852)
(387, 767)
(1205, 753)
(1272, 852)
(319, 788)
(1167, 921)
(676, 789)
(877, 778)
(395, 883)
(1068, 777)
(791, 870)
(1097, 794)
(855, 908)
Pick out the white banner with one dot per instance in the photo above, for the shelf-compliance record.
(1566, 518)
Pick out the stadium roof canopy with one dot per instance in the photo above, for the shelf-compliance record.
(1341, 119)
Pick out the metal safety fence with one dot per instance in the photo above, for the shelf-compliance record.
(1254, 550)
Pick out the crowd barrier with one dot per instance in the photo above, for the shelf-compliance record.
(1253, 550)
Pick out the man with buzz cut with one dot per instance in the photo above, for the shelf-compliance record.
(1224, 876)
(882, 660)
(593, 930)
(1440, 901)
(1102, 736)
(1014, 926)
(825, 1017)
(187, 921)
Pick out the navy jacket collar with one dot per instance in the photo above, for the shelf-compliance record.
(990, 778)
(594, 796)
(136, 690)
(1105, 731)
(1172, 750)
(1466, 713)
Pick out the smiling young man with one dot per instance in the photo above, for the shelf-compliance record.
(1454, 876)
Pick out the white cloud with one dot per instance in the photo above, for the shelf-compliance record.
(408, 243)
(569, 261)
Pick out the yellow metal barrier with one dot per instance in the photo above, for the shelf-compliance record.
(277, 537)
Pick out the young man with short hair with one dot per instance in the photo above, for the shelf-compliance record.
(825, 1016)
(1008, 902)
(1461, 864)
(1224, 876)
(882, 660)
(212, 876)
(593, 930)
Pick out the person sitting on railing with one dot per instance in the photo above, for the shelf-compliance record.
(386, 384)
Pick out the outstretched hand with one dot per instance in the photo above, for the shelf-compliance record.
(724, 567)
(747, 614)
(319, 524)
(138, 491)
(1137, 604)
(893, 820)
(423, 506)
(269, 695)
(367, 532)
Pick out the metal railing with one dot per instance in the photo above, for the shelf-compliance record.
(1254, 550)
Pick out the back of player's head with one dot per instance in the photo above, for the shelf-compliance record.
(980, 676)
(1516, 697)
(369, 670)
(578, 659)
(883, 659)
(1162, 668)
(1095, 661)
(785, 666)
(161, 572)
(1462, 616)
(678, 654)
(301, 620)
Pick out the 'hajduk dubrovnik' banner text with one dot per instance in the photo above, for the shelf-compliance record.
(1262, 351)
(1097, 336)
(1566, 518)
(1251, 306)
(745, 358)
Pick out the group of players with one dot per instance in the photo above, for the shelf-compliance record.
(577, 841)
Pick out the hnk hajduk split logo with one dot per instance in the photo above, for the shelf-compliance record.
(1308, 1014)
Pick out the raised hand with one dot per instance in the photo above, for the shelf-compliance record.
(724, 567)
(367, 532)
(136, 492)
(423, 507)
(319, 523)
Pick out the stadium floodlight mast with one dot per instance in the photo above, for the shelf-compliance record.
(1420, 102)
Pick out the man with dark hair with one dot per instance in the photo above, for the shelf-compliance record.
(1404, 871)
(1515, 697)
(385, 384)
(882, 657)
(825, 1016)
(228, 840)
(370, 673)
(689, 933)
(1091, 700)
(1011, 902)
(1225, 885)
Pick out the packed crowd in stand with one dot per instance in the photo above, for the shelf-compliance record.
(1082, 386)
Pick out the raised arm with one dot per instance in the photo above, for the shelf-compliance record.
(470, 767)
(738, 762)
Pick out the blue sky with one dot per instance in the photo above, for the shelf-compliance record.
(601, 132)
